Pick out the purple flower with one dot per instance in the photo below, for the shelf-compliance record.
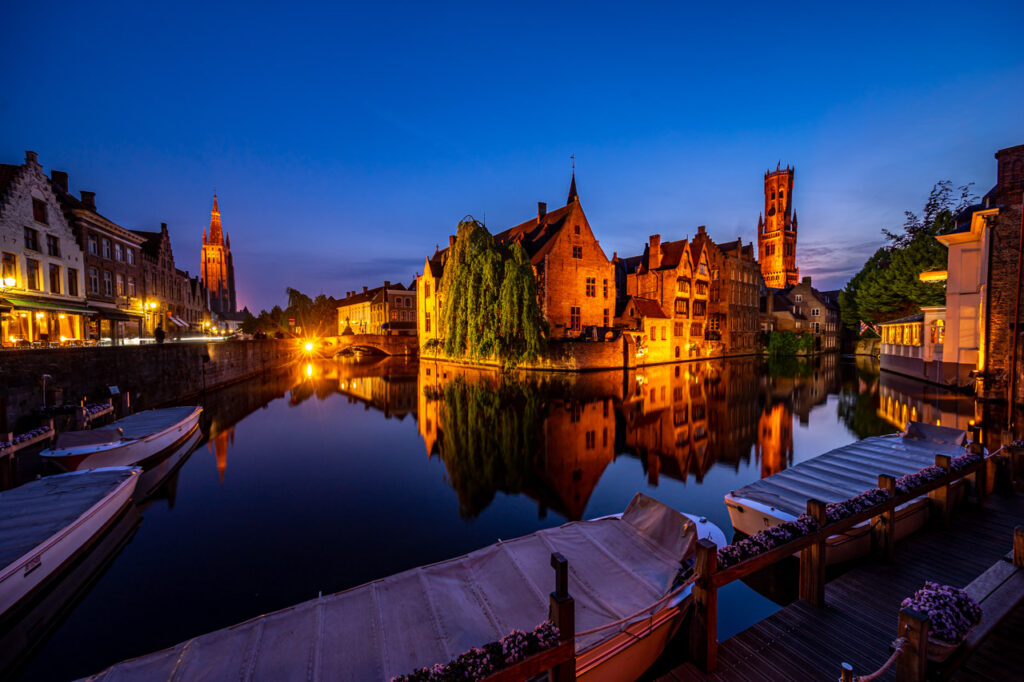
(950, 611)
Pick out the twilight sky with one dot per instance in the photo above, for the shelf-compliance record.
(346, 140)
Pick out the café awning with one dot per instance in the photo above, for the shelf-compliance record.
(116, 314)
(49, 306)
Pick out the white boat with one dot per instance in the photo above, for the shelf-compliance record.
(621, 568)
(46, 523)
(127, 442)
(841, 474)
(157, 473)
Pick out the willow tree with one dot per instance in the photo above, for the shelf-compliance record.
(491, 301)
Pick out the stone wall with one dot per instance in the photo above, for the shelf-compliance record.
(153, 374)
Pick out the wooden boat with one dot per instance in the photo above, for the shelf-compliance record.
(621, 568)
(131, 441)
(45, 524)
(841, 474)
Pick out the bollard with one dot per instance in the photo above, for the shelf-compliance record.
(812, 561)
(884, 536)
(940, 497)
(704, 626)
(912, 665)
(562, 611)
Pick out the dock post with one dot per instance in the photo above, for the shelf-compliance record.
(846, 672)
(1018, 546)
(704, 625)
(940, 496)
(912, 664)
(884, 529)
(562, 612)
(812, 560)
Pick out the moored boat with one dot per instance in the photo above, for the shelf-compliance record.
(46, 523)
(841, 474)
(157, 472)
(130, 441)
(624, 575)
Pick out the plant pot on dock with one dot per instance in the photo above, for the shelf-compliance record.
(939, 651)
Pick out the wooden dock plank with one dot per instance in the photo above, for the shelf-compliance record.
(858, 622)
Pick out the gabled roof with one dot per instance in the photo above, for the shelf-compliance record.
(7, 175)
(644, 307)
(537, 235)
(359, 297)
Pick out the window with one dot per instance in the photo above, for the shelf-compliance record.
(606, 288)
(683, 285)
(39, 211)
(702, 268)
(32, 274)
(591, 287)
(702, 287)
(94, 281)
(55, 282)
(817, 327)
(682, 307)
(799, 298)
(700, 308)
(31, 239)
(120, 284)
(591, 439)
(604, 317)
(108, 284)
(72, 282)
(106, 249)
(118, 252)
(131, 286)
(574, 317)
(576, 229)
(426, 322)
(426, 290)
(679, 330)
(10, 268)
(129, 256)
(52, 245)
(94, 248)
(577, 252)
(815, 312)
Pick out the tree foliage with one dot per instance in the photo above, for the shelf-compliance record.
(788, 343)
(491, 302)
(888, 286)
(314, 316)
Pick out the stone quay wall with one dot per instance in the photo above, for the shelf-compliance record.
(154, 375)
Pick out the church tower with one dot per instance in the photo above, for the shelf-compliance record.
(776, 230)
(218, 269)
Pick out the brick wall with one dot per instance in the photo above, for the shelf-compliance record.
(153, 374)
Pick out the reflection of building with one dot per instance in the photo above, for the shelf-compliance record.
(42, 290)
(775, 439)
(902, 400)
(219, 446)
(776, 230)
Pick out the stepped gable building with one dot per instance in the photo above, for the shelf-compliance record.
(388, 309)
(113, 270)
(42, 286)
(803, 309)
(734, 295)
(776, 230)
(217, 267)
(164, 286)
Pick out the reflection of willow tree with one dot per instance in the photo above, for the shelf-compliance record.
(788, 366)
(859, 412)
(491, 437)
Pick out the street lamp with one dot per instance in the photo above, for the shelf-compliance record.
(9, 282)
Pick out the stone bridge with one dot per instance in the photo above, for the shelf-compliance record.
(381, 343)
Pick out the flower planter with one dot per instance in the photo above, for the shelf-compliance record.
(939, 651)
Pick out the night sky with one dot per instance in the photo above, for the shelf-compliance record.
(345, 142)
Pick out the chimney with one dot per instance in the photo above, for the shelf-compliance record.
(365, 288)
(89, 199)
(31, 157)
(60, 178)
(807, 280)
(387, 284)
(1010, 170)
(163, 228)
(654, 254)
(542, 210)
(702, 230)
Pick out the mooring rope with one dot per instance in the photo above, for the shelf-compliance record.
(897, 650)
(689, 581)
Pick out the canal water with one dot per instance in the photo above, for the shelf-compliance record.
(337, 472)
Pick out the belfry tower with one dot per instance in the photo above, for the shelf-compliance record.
(776, 230)
(218, 269)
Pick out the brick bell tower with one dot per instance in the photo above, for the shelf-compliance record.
(217, 269)
(776, 230)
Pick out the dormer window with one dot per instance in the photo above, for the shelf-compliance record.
(39, 211)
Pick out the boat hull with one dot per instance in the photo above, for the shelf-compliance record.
(22, 577)
(127, 453)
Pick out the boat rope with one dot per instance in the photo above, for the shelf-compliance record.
(621, 621)
(897, 644)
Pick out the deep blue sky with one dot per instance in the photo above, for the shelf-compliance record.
(346, 141)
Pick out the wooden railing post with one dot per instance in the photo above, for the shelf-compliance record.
(912, 664)
(885, 523)
(846, 672)
(812, 561)
(940, 496)
(1018, 546)
(562, 612)
(704, 625)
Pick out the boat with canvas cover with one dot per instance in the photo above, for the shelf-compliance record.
(46, 523)
(624, 574)
(130, 441)
(841, 474)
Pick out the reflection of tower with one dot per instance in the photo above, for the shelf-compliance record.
(776, 230)
(220, 445)
(775, 439)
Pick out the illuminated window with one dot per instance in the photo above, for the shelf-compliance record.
(120, 284)
(10, 266)
(131, 286)
(32, 274)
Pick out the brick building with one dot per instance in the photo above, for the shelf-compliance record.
(163, 289)
(113, 271)
(42, 286)
(776, 230)
(734, 296)
(388, 309)
(804, 310)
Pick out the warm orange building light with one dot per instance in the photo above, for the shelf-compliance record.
(934, 276)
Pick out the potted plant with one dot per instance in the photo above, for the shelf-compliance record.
(952, 614)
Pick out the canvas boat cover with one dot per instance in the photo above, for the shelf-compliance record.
(32, 513)
(850, 470)
(431, 614)
(75, 439)
(148, 422)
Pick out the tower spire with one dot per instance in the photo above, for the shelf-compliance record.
(216, 237)
(573, 196)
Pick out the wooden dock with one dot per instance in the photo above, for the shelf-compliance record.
(858, 623)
